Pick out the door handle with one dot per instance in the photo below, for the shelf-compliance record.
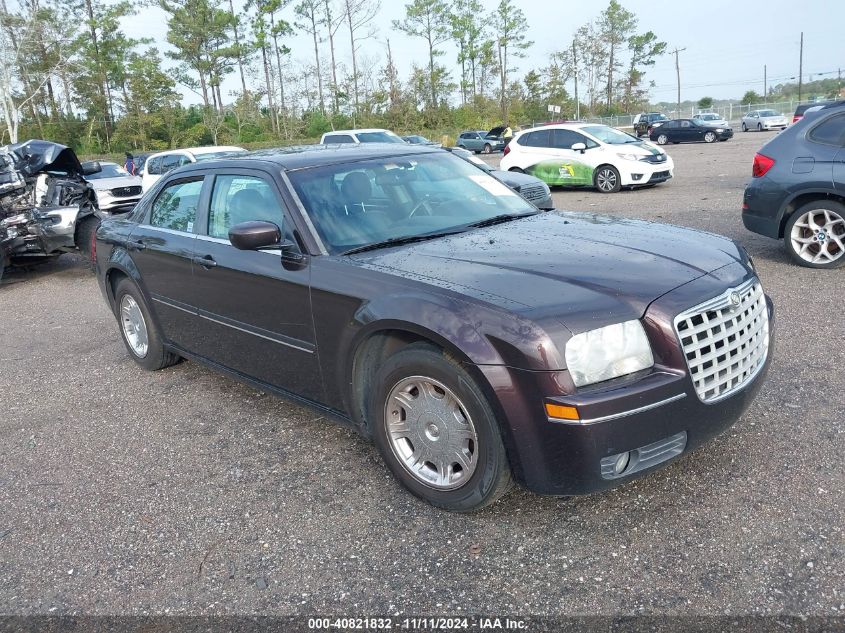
(137, 245)
(205, 262)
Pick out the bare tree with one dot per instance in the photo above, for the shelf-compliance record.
(311, 22)
(359, 14)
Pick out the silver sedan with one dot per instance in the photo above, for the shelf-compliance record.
(764, 120)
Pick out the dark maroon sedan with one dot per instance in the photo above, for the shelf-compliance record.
(474, 338)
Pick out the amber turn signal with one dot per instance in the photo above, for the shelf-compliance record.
(562, 412)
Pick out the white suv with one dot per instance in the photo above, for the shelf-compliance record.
(587, 155)
(159, 164)
(356, 137)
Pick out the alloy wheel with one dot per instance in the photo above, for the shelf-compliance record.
(709, 137)
(606, 180)
(818, 236)
(134, 326)
(662, 139)
(431, 433)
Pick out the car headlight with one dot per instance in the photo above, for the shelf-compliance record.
(718, 129)
(608, 352)
(629, 156)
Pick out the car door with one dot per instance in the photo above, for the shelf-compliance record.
(576, 166)
(473, 141)
(161, 247)
(254, 306)
(685, 131)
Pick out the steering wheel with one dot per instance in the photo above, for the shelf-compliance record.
(428, 203)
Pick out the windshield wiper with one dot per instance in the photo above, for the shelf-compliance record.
(397, 241)
(500, 219)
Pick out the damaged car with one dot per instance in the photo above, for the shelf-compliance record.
(46, 206)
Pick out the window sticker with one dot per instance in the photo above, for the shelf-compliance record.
(491, 185)
(190, 227)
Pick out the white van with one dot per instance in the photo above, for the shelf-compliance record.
(159, 164)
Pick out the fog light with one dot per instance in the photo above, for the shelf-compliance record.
(621, 463)
(636, 176)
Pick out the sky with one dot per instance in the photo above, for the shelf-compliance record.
(726, 42)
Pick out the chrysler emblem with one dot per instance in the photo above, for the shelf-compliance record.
(735, 299)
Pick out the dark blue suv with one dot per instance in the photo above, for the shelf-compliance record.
(797, 192)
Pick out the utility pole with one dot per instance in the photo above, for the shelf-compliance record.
(678, 74)
(765, 85)
(575, 65)
(800, 66)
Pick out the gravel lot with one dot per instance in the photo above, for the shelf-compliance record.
(182, 491)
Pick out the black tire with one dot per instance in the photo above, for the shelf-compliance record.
(487, 148)
(491, 477)
(759, 127)
(86, 230)
(516, 170)
(837, 213)
(744, 127)
(662, 139)
(461, 146)
(607, 179)
(157, 357)
(710, 137)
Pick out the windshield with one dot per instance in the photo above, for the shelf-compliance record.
(109, 170)
(708, 117)
(223, 154)
(378, 137)
(356, 204)
(609, 135)
(769, 113)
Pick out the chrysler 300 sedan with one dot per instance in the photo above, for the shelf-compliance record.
(474, 338)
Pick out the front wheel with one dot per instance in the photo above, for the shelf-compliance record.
(744, 127)
(759, 127)
(815, 235)
(436, 430)
(710, 137)
(139, 332)
(487, 148)
(607, 179)
(662, 139)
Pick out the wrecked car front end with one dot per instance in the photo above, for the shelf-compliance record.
(46, 205)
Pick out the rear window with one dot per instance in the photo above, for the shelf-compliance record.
(378, 137)
(540, 138)
(338, 138)
(830, 131)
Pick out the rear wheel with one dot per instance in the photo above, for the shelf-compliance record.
(815, 235)
(607, 179)
(759, 127)
(487, 148)
(709, 137)
(86, 231)
(662, 139)
(139, 332)
(744, 127)
(437, 432)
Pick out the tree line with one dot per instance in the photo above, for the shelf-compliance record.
(69, 72)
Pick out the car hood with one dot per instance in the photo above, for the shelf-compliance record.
(113, 183)
(514, 179)
(583, 269)
(33, 156)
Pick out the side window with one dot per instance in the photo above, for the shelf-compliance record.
(338, 138)
(176, 206)
(538, 139)
(154, 166)
(169, 162)
(565, 139)
(830, 132)
(237, 199)
(686, 124)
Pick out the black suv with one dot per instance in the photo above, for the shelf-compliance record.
(798, 189)
(645, 123)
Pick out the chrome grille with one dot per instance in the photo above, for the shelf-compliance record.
(122, 192)
(532, 192)
(725, 340)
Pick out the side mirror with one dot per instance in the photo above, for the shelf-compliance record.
(91, 167)
(251, 236)
(579, 147)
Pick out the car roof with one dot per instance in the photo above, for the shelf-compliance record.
(198, 151)
(305, 156)
(358, 131)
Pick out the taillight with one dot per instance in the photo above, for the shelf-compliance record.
(762, 164)
(507, 150)
(796, 118)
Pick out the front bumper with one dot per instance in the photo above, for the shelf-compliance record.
(769, 125)
(645, 173)
(659, 412)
